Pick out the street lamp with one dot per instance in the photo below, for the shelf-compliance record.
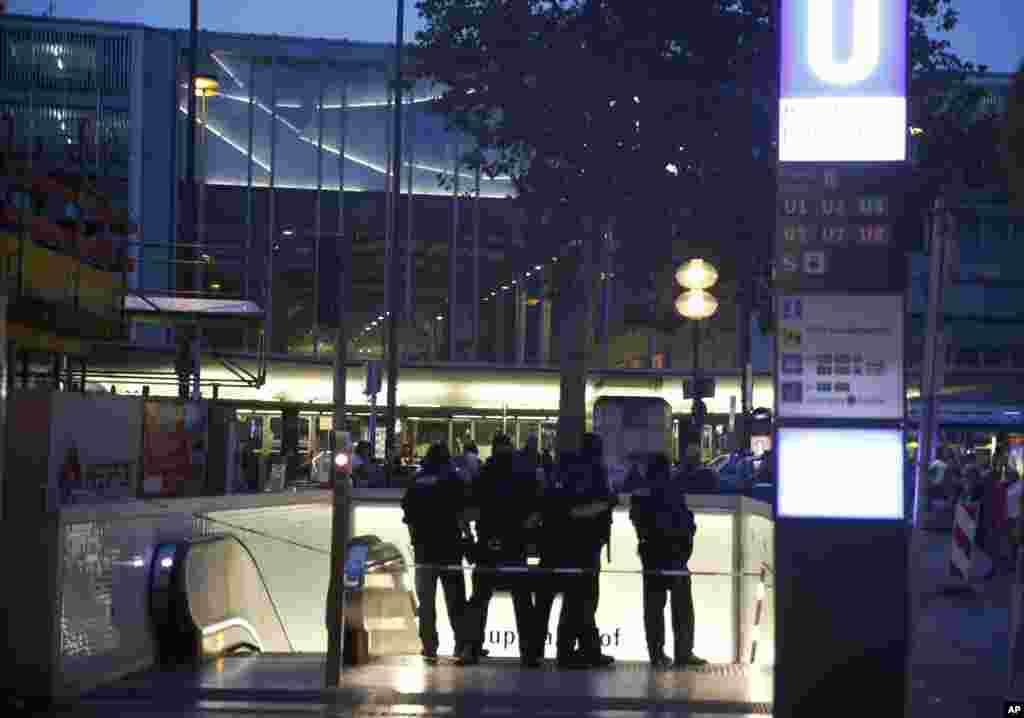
(696, 303)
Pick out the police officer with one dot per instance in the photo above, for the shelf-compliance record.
(507, 502)
(576, 525)
(665, 528)
(433, 508)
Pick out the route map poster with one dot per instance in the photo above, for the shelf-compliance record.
(840, 357)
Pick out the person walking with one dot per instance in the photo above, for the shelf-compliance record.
(507, 505)
(433, 507)
(665, 529)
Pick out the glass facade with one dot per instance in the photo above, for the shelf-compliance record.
(287, 127)
(295, 105)
(66, 93)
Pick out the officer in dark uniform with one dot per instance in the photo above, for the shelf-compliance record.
(433, 508)
(665, 528)
(508, 507)
(576, 526)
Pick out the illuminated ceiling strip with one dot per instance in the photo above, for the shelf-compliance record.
(220, 135)
(351, 105)
(228, 182)
(224, 66)
(365, 163)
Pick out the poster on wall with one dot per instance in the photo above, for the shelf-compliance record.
(174, 440)
(840, 357)
(100, 483)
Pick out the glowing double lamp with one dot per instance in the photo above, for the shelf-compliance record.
(696, 304)
(697, 274)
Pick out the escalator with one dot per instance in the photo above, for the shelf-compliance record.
(209, 598)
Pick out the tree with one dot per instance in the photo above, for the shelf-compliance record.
(1013, 140)
(618, 112)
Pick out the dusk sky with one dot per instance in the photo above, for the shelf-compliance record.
(990, 32)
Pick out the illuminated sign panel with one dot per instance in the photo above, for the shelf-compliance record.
(840, 473)
(844, 81)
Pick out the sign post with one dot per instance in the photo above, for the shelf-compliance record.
(373, 382)
(841, 535)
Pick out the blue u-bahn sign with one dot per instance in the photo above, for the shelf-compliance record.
(843, 81)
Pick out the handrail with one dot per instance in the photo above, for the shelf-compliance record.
(259, 572)
(263, 534)
(235, 622)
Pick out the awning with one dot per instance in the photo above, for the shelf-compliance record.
(192, 310)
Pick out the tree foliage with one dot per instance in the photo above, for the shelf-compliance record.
(633, 109)
(584, 97)
(1013, 140)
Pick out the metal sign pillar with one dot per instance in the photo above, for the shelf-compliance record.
(841, 534)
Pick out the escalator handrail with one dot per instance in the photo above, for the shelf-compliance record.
(234, 622)
(215, 538)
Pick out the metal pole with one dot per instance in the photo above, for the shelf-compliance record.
(4, 386)
(698, 402)
(248, 171)
(388, 216)
(746, 370)
(204, 118)
(410, 254)
(931, 368)
(341, 524)
(271, 211)
(476, 266)
(190, 164)
(453, 259)
(318, 219)
(394, 269)
(248, 182)
(371, 428)
(939, 231)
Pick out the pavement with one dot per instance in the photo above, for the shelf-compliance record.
(959, 671)
(961, 648)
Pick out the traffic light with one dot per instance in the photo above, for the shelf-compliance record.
(342, 467)
(342, 462)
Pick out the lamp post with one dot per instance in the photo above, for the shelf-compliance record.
(205, 88)
(696, 303)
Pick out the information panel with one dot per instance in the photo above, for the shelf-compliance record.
(840, 473)
(840, 357)
(843, 81)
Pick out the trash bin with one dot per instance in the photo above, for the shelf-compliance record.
(380, 607)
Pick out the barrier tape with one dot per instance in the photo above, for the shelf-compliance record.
(497, 569)
(577, 571)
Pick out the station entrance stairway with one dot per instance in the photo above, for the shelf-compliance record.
(279, 684)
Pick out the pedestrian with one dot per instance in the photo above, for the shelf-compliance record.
(576, 525)
(665, 529)
(433, 508)
(507, 507)
(547, 462)
(530, 455)
(362, 464)
(469, 462)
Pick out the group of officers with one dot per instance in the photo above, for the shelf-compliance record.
(495, 515)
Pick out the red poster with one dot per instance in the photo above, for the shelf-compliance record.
(168, 449)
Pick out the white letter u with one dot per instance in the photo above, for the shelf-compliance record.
(867, 41)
